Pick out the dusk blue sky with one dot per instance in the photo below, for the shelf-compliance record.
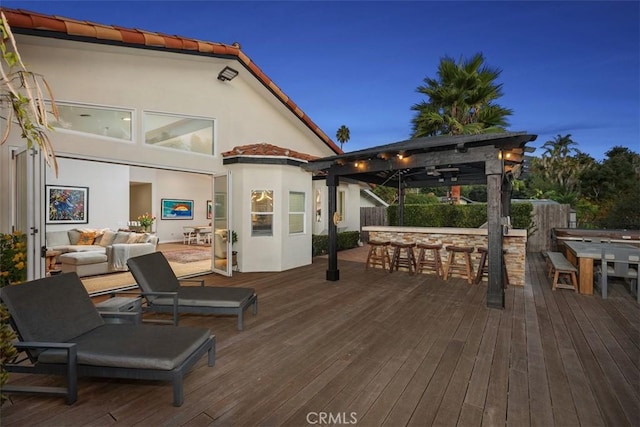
(567, 67)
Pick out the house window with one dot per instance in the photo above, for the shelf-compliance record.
(341, 204)
(93, 120)
(184, 133)
(262, 213)
(296, 212)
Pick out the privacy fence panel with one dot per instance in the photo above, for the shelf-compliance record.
(546, 217)
(372, 216)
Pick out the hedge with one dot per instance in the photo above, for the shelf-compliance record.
(462, 216)
(346, 240)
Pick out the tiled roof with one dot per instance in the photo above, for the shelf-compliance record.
(266, 150)
(88, 31)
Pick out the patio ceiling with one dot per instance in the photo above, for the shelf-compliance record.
(431, 161)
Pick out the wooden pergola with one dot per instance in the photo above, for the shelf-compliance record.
(493, 159)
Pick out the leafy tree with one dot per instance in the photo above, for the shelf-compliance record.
(556, 174)
(23, 91)
(343, 135)
(614, 185)
(461, 100)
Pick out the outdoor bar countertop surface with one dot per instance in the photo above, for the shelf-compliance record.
(442, 230)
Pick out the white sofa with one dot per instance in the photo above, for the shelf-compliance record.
(107, 252)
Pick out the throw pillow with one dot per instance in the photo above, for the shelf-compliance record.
(74, 235)
(134, 237)
(144, 238)
(107, 238)
(121, 237)
(87, 238)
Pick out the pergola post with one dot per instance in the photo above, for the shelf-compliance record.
(333, 274)
(401, 193)
(495, 289)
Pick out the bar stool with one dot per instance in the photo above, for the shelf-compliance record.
(424, 261)
(484, 267)
(403, 256)
(465, 269)
(378, 254)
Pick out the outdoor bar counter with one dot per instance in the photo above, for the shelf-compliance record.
(514, 242)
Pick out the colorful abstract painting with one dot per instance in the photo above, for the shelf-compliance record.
(67, 205)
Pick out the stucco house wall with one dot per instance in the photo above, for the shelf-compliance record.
(244, 111)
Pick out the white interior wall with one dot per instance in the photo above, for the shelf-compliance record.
(108, 198)
(181, 185)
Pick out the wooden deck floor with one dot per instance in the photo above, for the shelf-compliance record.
(387, 349)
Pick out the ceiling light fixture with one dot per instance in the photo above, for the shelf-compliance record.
(227, 73)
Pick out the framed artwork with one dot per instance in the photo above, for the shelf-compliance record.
(177, 209)
(209, 209)
(67, 205)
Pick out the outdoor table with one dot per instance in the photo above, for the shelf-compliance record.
(582, 255)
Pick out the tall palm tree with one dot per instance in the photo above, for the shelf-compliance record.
(461, 100)
(343, 135)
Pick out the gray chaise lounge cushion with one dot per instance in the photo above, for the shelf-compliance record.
(198, 296)
(142, 347)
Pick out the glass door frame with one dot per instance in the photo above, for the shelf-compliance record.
(221, 225)
(28, 209)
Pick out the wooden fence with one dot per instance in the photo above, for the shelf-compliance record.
(372, 216)
(546, 217)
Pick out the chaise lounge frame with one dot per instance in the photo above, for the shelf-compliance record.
(164, 293)
(65, 295)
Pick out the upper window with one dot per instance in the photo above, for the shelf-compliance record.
(102, 121)
(179, 132)
(296, 212)
(262, 213)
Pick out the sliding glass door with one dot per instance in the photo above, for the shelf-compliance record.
(222, 260)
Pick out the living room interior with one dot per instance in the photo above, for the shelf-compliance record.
(115, 195)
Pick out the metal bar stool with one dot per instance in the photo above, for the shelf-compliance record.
(434, 262)
(483, 268)
(378, 255)
(465, 269)
(403, 256)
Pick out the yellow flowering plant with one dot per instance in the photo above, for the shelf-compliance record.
(146, 220)
(13, 258)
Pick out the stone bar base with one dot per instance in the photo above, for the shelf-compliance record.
(514, 242)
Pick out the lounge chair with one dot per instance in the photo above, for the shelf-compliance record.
(62, 333)
(164, 294)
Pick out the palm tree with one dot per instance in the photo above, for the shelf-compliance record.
(342, 135)
(461, 100)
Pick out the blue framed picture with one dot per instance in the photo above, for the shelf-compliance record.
(67, 205)
(177, 209)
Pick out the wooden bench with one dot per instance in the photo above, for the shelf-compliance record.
(561, 268)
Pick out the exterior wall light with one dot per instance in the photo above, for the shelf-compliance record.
(227, 73)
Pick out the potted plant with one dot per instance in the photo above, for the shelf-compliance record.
(146, 221)
(234, 254)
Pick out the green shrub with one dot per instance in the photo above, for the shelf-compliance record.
(346, 240)
(462, 216)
